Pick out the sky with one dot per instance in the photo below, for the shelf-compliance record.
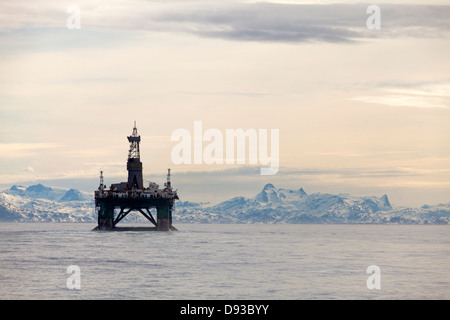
(359, 111)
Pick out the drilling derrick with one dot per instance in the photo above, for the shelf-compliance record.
(134, 196)
(134, 164)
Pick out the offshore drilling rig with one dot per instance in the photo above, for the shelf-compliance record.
(134, 196)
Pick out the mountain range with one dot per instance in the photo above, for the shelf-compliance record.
(40, 203)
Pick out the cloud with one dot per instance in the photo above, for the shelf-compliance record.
(251, 173)
(419, 95)
(263, 22)
(15, 150)
(277, 22)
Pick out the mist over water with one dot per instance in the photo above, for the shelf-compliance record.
(225, 261)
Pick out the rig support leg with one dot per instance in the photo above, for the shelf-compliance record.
(105, 216)
(163, 222)
(105, 224)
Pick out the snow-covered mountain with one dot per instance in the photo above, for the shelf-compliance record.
(38, 203)
(271, 205)
(274, 205)
(39, 191)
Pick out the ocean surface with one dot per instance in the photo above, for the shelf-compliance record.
(225, 261)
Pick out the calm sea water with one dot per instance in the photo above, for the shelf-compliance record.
(217, 261)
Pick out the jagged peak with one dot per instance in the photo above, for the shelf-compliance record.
(268, 186)
(72, 195)
(301, 192)
(39, 191)
(385, 200)
(17, 187)
(38, 187)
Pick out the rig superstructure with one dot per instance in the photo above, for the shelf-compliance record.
(134, 196)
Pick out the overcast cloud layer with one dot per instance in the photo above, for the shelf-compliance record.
(274, 22)
(298, 23)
